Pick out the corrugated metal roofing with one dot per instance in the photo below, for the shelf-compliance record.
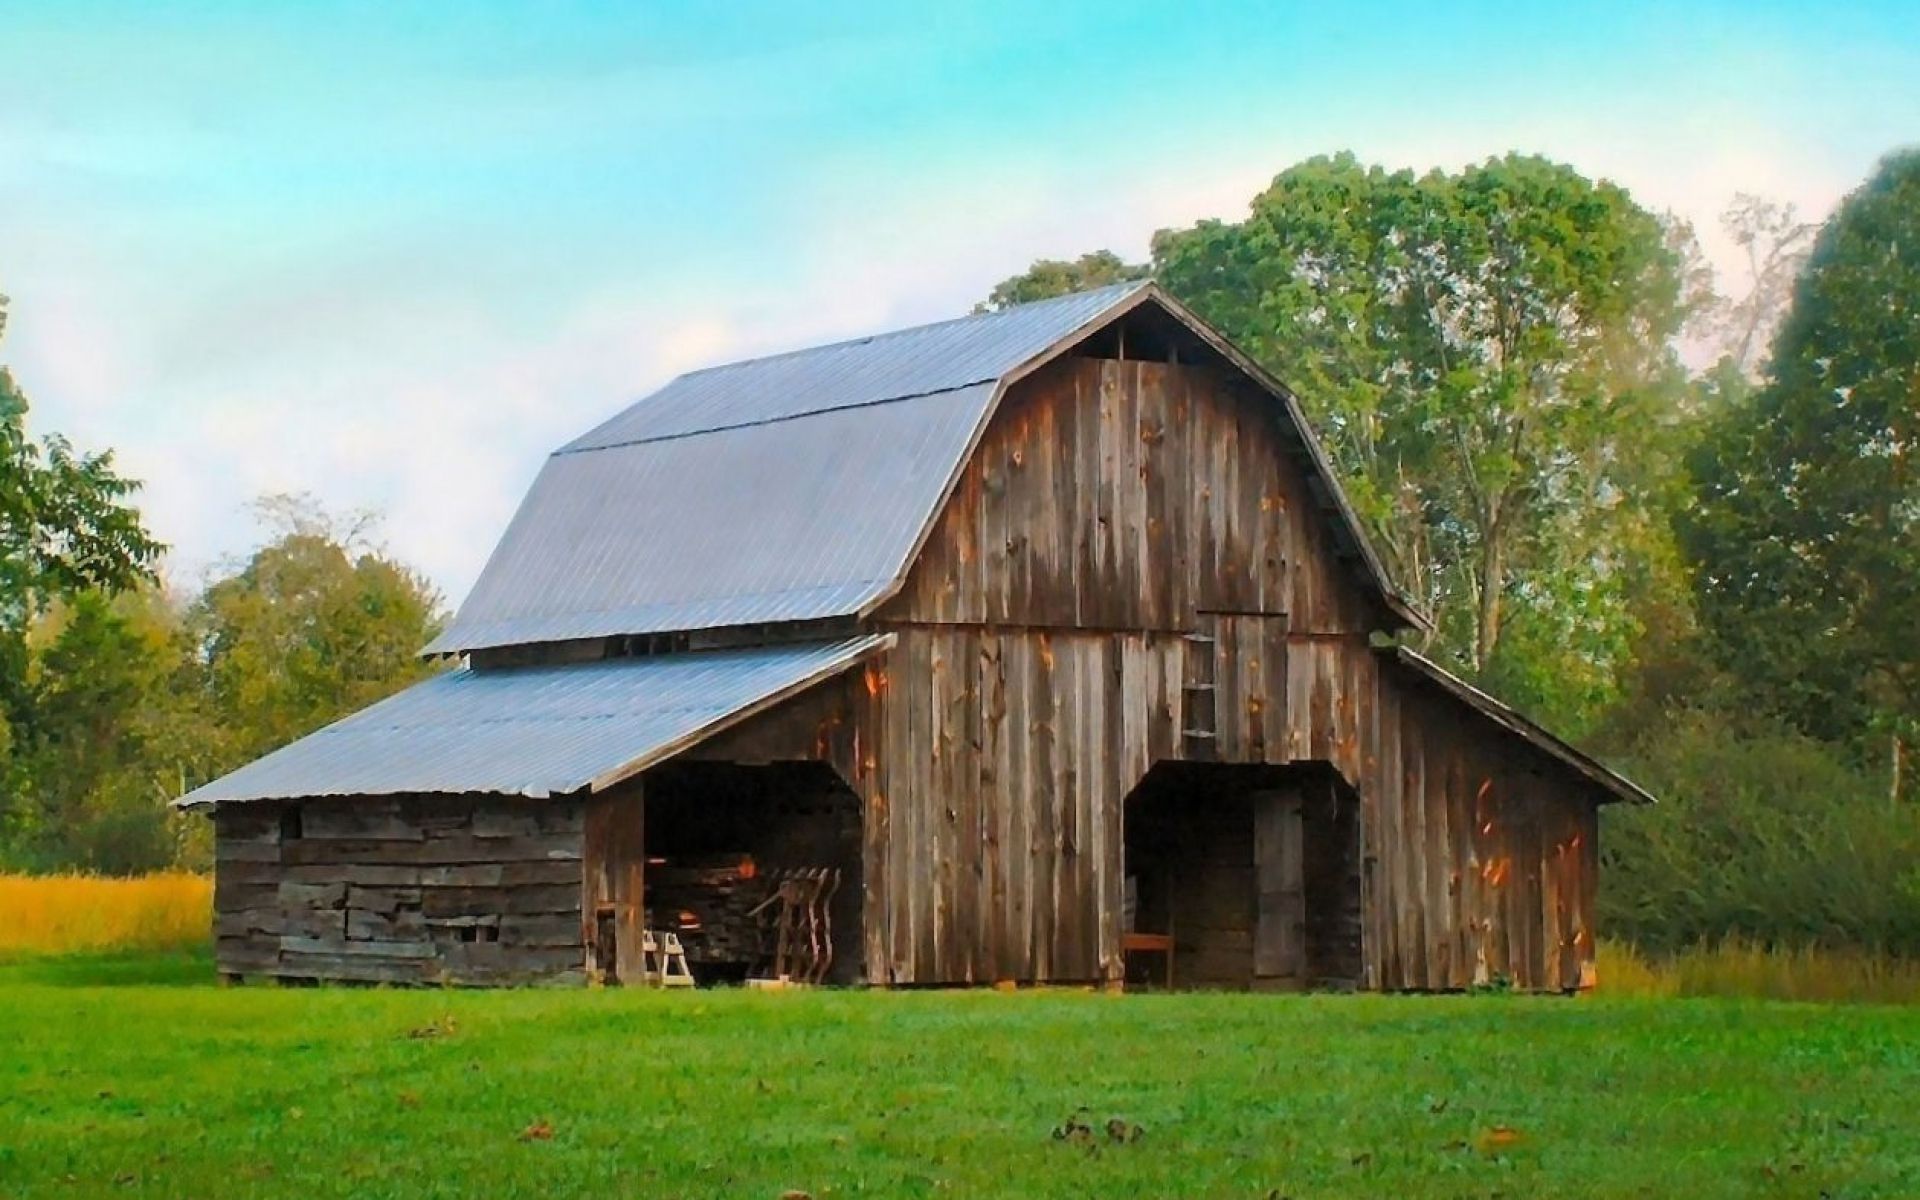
(534, 731)
(789, 521)
(869, 370)
(787, 488)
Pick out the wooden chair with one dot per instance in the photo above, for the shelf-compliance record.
(1153, 943)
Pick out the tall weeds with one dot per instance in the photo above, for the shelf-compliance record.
(60, 914)
(1735, 967)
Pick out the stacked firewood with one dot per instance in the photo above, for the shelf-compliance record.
(709, 903)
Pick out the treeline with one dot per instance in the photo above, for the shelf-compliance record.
(118, 693)
(1711, 578)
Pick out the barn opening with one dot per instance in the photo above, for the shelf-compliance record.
(756, 869)
(1242, 876)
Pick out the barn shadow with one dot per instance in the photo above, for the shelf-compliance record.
(1242, 877)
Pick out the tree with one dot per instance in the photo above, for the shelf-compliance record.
(1052, 277)
(1488, 356)
(1806, 531)
(66, 527)
(1775, 243)
(316, 624)
(114, 704)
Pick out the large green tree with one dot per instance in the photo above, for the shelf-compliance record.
(1806, 533)
(67, 526)
(1488, 355)
(317, 623)
(115, 725)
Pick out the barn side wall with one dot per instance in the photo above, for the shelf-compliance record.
(400, 890)
(1134, 568)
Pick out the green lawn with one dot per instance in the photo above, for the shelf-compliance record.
(139, 1076)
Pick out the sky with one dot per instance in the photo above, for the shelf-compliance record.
(392, 254)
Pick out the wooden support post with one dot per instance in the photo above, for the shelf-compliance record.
(613, 866)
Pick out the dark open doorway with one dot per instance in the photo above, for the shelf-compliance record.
(1243, 877)
(723, 840)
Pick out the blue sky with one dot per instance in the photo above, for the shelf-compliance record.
(391, 254)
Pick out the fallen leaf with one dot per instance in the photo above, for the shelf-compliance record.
(539, 1131)
(1497, 1138)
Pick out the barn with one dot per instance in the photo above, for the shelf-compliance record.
(1036, 646)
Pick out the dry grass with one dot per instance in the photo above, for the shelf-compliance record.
(61, 914)
(1735, 967)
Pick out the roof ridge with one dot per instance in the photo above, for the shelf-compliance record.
(824, 410)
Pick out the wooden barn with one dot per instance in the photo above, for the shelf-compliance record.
(1037, 646)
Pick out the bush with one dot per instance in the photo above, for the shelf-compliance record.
(1763, 835)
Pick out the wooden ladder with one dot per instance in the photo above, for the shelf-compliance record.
(1199, 732)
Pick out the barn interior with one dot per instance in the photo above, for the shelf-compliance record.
(1242, 877)
(756, 869)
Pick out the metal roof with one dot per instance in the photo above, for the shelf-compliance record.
(789, 488)
(788, 521)
(1612, 782)
(536, 731)
(870, 370)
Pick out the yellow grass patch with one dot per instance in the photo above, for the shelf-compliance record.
(60, 914)
(1735, 967)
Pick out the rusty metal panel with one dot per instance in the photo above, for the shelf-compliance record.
(534, 731)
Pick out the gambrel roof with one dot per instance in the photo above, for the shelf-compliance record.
(798, 487)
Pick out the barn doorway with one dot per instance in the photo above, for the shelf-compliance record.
(756, 869)
(1242, 877)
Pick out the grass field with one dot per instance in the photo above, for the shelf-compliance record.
(138, 1076)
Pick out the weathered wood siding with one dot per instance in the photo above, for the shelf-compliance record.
(613, 900)
(1000, 763)
(1132, 553)
(1130, 495)
(400, 890)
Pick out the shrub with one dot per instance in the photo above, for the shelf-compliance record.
(1761, 835)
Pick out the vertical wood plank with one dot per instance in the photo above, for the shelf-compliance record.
(1279, 943)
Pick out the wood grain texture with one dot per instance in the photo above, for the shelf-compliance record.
(390, 889)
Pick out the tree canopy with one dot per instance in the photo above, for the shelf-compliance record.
(1806, 527)
(1058, 277)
